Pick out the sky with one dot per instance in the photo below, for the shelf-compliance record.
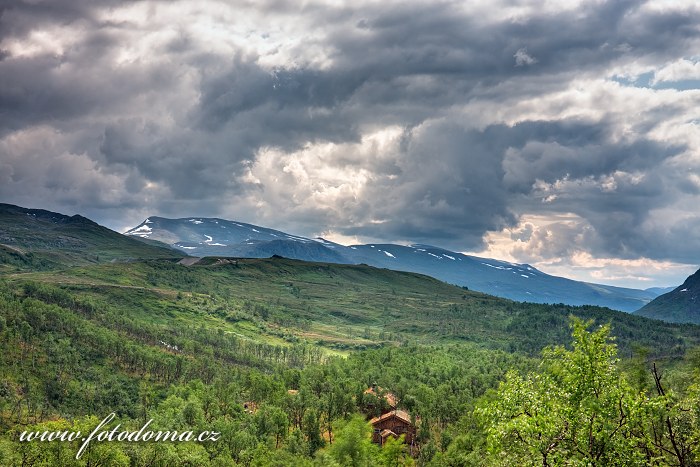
(563, 134)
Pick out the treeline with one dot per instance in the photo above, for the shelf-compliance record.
(185, 340)
(67, 355)
(528, 327)
(288, 300)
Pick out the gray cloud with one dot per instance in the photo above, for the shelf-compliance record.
(121, 110)
(445, 190)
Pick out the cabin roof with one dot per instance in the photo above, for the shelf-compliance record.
(400, 414)
(390, 397)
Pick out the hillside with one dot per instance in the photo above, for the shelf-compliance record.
(219, 237)
(339, 307)
(681, 305)
(35, 238)
(273, 353)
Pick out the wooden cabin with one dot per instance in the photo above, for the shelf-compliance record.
(394, 423)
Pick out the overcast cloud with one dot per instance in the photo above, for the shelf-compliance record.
(563, 134)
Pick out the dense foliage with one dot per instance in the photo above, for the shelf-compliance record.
(579, 408)
(276, 355)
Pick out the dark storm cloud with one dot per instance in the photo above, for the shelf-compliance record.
(433, 40)
(178, 128)
(418, 59)
(623, 220)
(189, 163)
(80, 83)
(469, 181)
(552, 151)
(277, 108)
(444, 190)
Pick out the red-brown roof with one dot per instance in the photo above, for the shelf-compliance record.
(388, 396)
(400, 414)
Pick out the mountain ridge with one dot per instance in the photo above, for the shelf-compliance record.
(681, 305)
(50, 239)
(202, 236)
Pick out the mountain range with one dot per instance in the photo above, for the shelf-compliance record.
(93, 321)
(36, 239)
(201, 237)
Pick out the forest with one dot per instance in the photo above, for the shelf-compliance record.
(277, 356)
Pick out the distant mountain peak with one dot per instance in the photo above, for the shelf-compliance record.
(202, 236)
(681, 305)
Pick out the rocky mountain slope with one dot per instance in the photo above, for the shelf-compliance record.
(220, 237)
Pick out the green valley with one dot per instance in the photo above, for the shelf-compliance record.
(277, 356)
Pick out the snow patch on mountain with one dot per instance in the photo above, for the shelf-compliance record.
(142, 231)
(247, 239)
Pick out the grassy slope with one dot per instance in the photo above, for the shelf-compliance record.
(340, 307)
(38, 239)
(112, 321)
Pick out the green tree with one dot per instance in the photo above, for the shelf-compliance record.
(312, 431)
(296, 444)
(577, 410)
(394, 453)
(353, 446)
(271, 420)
